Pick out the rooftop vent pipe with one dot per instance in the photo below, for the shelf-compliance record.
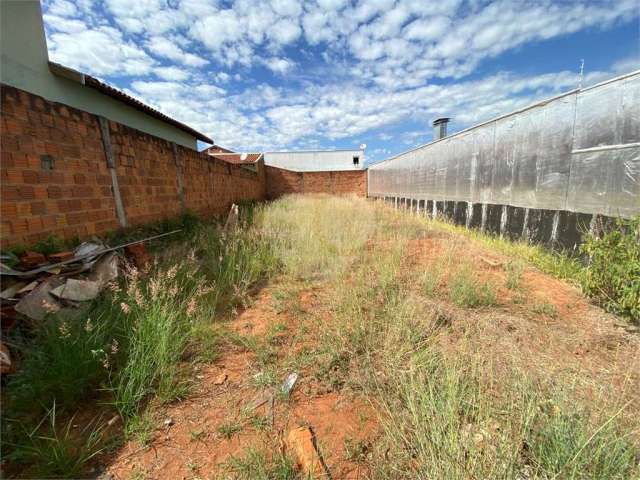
(440, 127)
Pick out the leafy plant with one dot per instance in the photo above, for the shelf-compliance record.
(613, 273)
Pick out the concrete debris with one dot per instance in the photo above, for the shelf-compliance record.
(83, 258)
(105, 269)
(37, 304)
(27, 288)
(289, 383)
(302, 443)
(6, 364)
(59, 257)
(220, 379)
(10, 292)
(46, 289)
(31, 259)
(77, 290)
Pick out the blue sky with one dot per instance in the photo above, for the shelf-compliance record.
(261, 75)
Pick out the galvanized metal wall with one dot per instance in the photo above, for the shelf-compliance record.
(578, 152)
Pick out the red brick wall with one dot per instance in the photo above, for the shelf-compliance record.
(75, 197)
(281, 182)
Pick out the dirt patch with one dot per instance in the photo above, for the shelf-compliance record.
(198, 437)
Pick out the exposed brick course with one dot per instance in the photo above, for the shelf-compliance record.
(75, 196)
(281, 182)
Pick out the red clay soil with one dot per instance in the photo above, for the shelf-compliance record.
(192, 445)
(580, 341)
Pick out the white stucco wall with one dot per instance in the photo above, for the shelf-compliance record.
(24, 65)
(316, 161)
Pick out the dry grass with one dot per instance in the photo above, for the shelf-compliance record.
(429, 342)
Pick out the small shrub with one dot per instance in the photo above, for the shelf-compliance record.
(466, 290)
(514, 270)
(613, 273)
(545, 308)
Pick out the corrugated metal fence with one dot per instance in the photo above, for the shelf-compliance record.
(578, 152)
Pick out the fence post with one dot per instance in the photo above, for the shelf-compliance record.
(115, 188)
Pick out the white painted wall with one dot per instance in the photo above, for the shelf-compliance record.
(316, 161)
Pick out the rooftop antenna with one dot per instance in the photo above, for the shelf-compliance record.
(363, 146)
(581, 77)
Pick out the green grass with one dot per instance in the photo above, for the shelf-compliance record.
(229, 429)
(447, 416)
(443, 415)
(467, 290)
(257, 465)
(53, 451)
(545, 308)
(125, 350)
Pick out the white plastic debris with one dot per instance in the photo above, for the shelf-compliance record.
(289, 383)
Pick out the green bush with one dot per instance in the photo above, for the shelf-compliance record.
(613, 273)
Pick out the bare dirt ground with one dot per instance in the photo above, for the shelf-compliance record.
(199, 437)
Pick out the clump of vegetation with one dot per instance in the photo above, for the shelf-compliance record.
(467, 290)
(545, 308)
(125, 349)
(612, 275)
(514, 270)
(258, 465)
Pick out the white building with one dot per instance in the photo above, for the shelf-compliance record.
(317, 161)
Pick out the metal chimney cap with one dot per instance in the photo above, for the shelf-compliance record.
(441, 120)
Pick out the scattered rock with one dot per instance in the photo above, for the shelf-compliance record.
(10, 292)
(105, 269)
(301, 442)
(59, 257)
(139, 255)
(168, 422)
(40, 302)
(113, 420)
(220, 379)
(32, 259)
(77, 290)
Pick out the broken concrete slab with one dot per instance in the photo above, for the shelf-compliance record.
(105, 269)
(11, 292)
(31, 259)
(37, 304)
(77, 290)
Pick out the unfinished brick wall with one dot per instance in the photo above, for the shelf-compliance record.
(55, 179)
(281, 182)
